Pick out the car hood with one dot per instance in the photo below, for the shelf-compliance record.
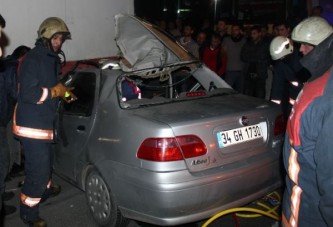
(145, 46)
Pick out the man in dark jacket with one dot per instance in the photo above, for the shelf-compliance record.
(34, 116)
(3, 151)
(255, 54)
(8, 96)
(308, 156)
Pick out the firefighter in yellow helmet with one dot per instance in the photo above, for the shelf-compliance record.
(33, 122)
(307, 154)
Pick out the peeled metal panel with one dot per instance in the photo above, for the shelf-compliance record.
(144, 46)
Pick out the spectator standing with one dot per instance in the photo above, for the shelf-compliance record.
(206, 27)
(222, 29)
(283, 29)
(255, 54)
(173, 30)
(202, 42)
(233, 45)
(307, 153)
(5, 87)
(179, 25)
(4, 154)
(188, 42)
(317, 11)
(214, 55)
(266, 36)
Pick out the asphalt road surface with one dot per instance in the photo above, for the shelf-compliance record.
(69, 209)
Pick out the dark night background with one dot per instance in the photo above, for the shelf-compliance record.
(244, 11)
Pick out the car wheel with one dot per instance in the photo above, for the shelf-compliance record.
(101, 202)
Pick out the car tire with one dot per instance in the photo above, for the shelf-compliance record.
(101, 202)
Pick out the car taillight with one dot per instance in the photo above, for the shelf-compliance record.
(280, 125)
(192, 146)
(195, 93)
(169, 149)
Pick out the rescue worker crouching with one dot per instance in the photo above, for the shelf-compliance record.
(33, 121)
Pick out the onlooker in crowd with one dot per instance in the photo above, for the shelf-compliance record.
(179, 25)
(266, 36)
(317, 11)
(34, 116)
(173, 30)
(4, 159)
(9, 71)
(202, 42)
(222, 29)
(255, 53)
(9, 67)
(214, 55)
(206, 27)
(283, 29)
(233, 45)
(287, 81)
(188, 42)
(308, 155)
(275, 31)
(2, 26)
(162, 24)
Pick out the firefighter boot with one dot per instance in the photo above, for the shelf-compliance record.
(53, 191)
(39, 222)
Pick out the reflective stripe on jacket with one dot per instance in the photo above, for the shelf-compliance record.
(32, 133)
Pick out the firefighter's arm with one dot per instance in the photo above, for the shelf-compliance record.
(324, 159)
(63, 92)
(279, 80)
(30, 89)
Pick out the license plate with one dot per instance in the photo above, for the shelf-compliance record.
(239, 135)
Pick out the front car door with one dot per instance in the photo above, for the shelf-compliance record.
(75, 123)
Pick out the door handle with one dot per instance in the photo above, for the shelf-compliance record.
(81, 128)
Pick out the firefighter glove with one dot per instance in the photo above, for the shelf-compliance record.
(63, 92)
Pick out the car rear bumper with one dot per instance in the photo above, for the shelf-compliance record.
(174, 198)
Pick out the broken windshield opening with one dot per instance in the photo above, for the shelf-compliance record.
(178, 83)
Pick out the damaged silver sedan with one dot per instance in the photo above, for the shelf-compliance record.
(159, 138)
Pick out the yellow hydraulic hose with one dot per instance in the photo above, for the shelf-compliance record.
(269, 212)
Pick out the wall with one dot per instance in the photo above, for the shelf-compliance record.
(91, 23)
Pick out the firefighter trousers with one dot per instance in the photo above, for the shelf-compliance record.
(38, 171)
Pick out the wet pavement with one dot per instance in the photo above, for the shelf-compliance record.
(69, 209)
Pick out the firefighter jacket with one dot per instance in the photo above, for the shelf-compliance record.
(308, 154)
(36, 111)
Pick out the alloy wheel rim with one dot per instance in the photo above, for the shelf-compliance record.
(98, 198)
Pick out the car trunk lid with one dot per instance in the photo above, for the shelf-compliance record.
(241, 133)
